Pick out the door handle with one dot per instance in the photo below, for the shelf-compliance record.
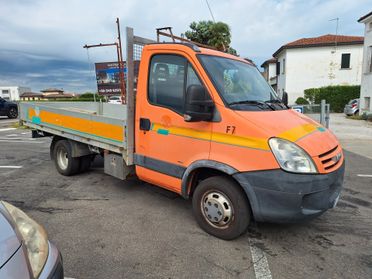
(145, 124)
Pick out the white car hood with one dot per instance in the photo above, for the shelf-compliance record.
(9, 242)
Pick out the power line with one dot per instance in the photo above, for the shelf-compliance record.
(210, 10)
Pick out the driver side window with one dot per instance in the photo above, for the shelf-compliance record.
(169, 78)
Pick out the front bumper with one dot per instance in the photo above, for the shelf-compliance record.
(53, 268)
(282, 197)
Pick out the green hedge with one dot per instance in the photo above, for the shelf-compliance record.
(337, 96)
(301, 101)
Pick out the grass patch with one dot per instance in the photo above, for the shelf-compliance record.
(18, 125)
(355, 117)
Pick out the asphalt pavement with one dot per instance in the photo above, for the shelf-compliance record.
(107, 228)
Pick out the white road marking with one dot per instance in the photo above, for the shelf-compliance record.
(364, 175)
(17, 138)
(21, 141)
(7, 129)
(10, 167)
(12, 135)
(260, 264)
(69, 278)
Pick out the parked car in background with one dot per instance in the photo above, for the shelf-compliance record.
(25, 251)
(352, 107)
(7, 108)
(114, 100)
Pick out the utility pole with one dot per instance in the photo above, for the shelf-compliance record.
(119, 53)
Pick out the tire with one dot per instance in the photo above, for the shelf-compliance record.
(65, 163)
(227, 203)
(13, 113)
(85, 163)
(356, 112)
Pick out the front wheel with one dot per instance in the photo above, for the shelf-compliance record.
(221, 207)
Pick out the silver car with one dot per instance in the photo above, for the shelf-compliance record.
(25, 251)
(352, 107)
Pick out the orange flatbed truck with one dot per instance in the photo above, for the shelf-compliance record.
(206, 125)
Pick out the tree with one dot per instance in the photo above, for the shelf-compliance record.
(215, 34)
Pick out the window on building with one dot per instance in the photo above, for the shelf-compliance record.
(169, 78)
(277, 68)
(345, 61)
(283, 70)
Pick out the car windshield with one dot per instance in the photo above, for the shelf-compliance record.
(240, 84)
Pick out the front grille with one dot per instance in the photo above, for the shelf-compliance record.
(331, 158)
(328, 152)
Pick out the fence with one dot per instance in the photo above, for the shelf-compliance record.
(318, 112)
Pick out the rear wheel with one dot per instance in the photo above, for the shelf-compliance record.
(13, 112)
(221, 207)
(62, 155)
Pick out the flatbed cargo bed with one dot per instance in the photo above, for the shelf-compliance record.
(97, 124)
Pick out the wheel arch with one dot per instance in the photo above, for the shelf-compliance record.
(200, 170)
(78, 149)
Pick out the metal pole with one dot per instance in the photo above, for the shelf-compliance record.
(129, 131)
(327, 117)
(322, 112)
(121, 66)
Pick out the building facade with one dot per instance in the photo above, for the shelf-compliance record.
(317, 62)
(12, 93)
(366, 87)
(269, 72)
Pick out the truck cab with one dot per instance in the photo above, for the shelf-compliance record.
(208, 126)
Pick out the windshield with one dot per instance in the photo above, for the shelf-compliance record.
(240, 84)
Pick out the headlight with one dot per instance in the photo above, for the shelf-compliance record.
(291, 157)
(34, 238)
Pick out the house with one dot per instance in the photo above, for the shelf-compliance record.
(366, 87)
(31, 96)
(49, 94)
(55, 93)
(12, 93)
(316, 62)
(269, 72)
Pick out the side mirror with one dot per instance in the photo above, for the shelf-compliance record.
(285, 98)
(198, 104)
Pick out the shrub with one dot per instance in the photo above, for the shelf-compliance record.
(301, 101)
(337, 96)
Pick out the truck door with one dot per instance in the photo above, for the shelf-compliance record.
(165, 143)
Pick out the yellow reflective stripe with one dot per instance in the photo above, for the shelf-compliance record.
(250, 142)
(185, 132)
(293, 135)
(298, 132)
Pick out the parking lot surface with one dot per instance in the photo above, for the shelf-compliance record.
(107, 228)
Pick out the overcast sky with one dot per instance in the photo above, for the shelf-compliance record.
(41, 41)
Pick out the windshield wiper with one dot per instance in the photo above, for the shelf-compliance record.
(252, 102)
(276, 101)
